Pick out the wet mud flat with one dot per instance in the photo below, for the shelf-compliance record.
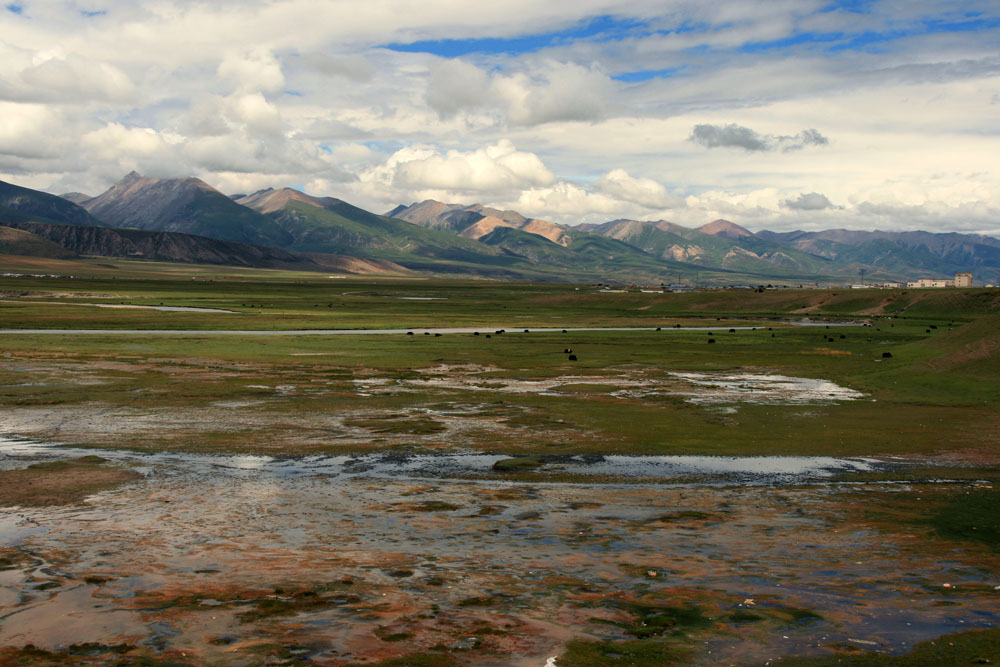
(344, 560)
(164, 404)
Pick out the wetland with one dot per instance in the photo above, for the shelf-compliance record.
(785, 495)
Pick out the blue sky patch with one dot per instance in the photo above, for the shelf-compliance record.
(639, 76)
(598, 29)
(15, 8)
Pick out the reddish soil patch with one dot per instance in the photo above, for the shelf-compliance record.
(59, 482)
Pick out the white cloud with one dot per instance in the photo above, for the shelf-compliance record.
(547, 93)
(642, 191)
(115, 141)
(354, 67)
(75, 79)
(455, 85)
(254, 72)
(256, 114)
(30, 130)
(499, 168)
(206, 117)
(566, 200)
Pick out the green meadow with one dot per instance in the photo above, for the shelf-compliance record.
(926, 362)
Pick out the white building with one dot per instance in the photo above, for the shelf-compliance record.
(961, 280)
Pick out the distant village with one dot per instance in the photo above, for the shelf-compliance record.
(960, 280)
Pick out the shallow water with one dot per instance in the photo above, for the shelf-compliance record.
(170, 562)
(769, 388)
(736, 469)
(702, 388)
(167, 309)
(370, 332)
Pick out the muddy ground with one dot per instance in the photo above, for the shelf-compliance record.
(250, 560)
(205, 404)
(60, 482)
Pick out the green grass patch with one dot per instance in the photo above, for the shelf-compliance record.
(654, 620)
(972, 515)
(413, 660)
(581, 653)
(978, 647)
(518, 464)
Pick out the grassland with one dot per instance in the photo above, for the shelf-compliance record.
(936, 392)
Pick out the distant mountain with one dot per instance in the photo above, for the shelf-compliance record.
(476, 221)
(25, 204)
(186, 205)
(726, 229)
(911, 254)
(76, 240)
(327, 224)
(586, 255)
(729, 247)
(75, 197)
(465, 240)
(429, 213)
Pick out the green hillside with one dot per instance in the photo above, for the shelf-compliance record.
(748, 254)
(21, 242)
(19, 204)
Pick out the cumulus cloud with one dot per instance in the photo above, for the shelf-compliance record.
(255, 113)
(565, 200)
(30, 130)
(245, 133)
(642, 191)
(455, 85)
(550, 92)
(257, 71)
(75, 79)
(114, 140)
(494, 169)
(243, 152)
(206, 117)
(811, 201)
(737, 136)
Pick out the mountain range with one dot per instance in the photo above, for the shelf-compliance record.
(185, 219)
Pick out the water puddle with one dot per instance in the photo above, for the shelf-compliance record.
(421, 298)
(166, 309)
(755, 388)
(701, 388)
(376, 332)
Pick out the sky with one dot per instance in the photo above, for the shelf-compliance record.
(777, 114)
